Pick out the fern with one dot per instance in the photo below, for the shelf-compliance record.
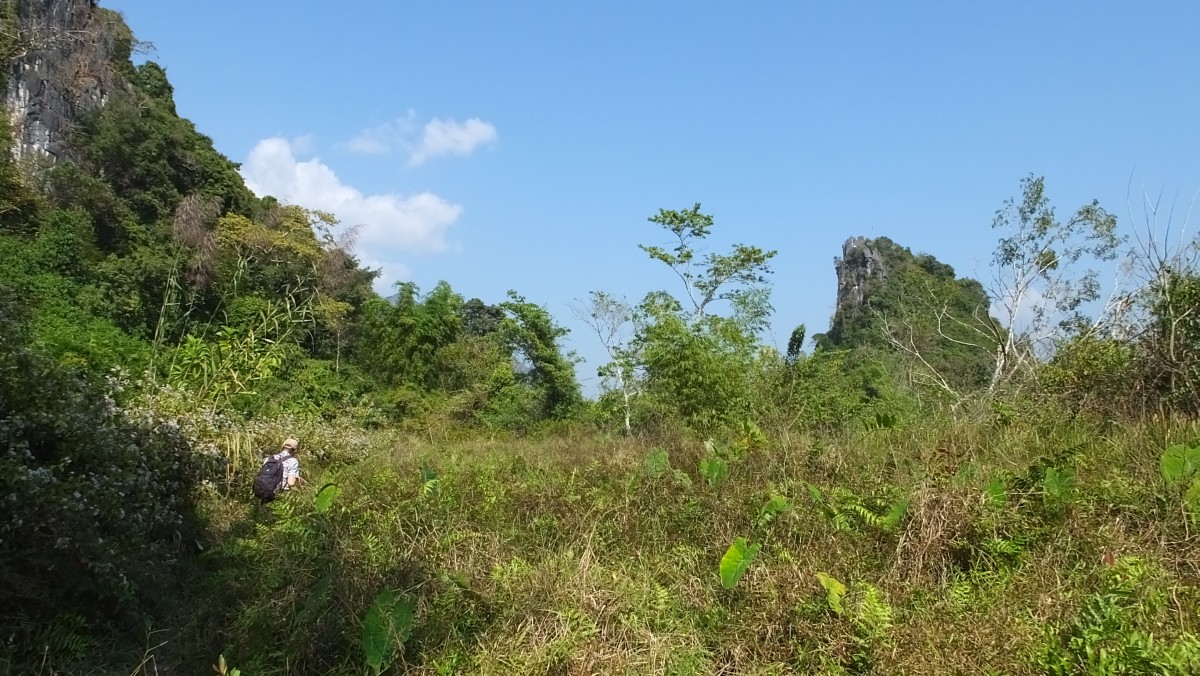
(847, 510)
(871, 612)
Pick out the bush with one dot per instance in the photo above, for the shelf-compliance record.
(1092, 375)
(97, 518)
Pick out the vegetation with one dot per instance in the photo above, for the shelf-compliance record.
(929, 489)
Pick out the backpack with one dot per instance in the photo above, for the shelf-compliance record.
(269, 478)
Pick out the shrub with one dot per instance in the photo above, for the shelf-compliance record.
(97, 503)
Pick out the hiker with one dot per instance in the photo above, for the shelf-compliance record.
(280, 472)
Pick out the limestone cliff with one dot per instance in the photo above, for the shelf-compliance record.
(861, 264)
(63, 59)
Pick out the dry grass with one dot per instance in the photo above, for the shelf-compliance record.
(564, 556)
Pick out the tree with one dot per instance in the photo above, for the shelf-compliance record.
(745, 269)
(696, 363)
(1041, 284)
(401, 338)
(533, 337)
(1161, 318)
(481, 319)
(609, 317)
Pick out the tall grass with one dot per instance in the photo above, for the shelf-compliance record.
(578, 555)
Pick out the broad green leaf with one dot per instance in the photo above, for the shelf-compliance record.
(1180, 462)
(997, 493)
(315, 600)
(834, 592)
(657, 462)
(1191, 499)
(775, 506)
(376, 631)
(895, 515)
(427, 474)
(325, 497)
(402, 619)
(1058, 483)
(713, 469)
(431, 488)
(815, 494)
(736, 560)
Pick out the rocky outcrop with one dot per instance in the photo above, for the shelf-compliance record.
(861, 264)
(60, 66)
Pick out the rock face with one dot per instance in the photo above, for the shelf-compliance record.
(60, 67)
(861, 264)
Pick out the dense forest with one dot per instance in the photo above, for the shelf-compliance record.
(954, 477)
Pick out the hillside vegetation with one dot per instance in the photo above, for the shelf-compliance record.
(953, 478)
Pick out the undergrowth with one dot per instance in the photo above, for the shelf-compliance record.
(949, 548)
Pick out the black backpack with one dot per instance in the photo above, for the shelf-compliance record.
(269, 479)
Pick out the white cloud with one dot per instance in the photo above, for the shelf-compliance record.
(437, 138)
(385, 138)
(447, 137)
(391, 224)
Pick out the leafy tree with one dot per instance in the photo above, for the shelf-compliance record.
(1042, 282)
(736, 277)
(401, 338)
(18, 201)
(702, 376)
(533, 336)
(609, 317)
(98, 518)
(697, 364)
(481, 319)
(153, 158)
(1171, 346)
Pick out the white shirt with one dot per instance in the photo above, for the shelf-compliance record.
(291, 468)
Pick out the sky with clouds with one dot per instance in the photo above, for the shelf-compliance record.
(522, 145)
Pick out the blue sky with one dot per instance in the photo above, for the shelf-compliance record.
(522, 145)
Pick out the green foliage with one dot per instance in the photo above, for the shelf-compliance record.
(534, 337)
(153, 158)
(1179, 463)
(702, 377)
(1171, 347)
(403, 337)
(1180, 466)
(714, 465)
(217, 371)
(98, 515)
(848, 511)
(775, 506)
(657, 462)
(917, 308)
(696, 366)
(552, 550)
(1113, 634)
(736, 561)
(19, 203)
(1057, 485)
(325, 497)
(385, 628)
(834, 592)
(822, 390)
(737, 277)
(1092, 374)
(995, 492)
(223, 669)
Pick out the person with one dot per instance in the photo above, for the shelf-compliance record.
(280, 472)
(291, 465)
